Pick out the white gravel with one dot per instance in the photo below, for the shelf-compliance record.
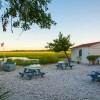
(69, 84)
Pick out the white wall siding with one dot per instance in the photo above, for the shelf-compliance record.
(85, 53)
(93, 50)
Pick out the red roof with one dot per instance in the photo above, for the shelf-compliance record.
(87, 45)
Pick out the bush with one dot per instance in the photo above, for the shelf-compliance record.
(92, 58)
(48, 59)
(22, 62)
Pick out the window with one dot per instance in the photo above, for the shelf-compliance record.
(80, 52)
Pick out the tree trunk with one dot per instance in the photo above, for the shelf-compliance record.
(67, 56)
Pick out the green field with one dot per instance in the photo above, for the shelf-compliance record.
(45, 57)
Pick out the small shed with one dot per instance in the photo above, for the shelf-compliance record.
(80, 52)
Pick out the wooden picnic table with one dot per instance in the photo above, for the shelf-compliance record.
(95, 75)
(63, 65)
(32, 70)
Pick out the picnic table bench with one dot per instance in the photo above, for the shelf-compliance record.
(95, 75)
(31, 71)
(63, 65)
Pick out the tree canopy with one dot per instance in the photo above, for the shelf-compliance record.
(60, 44)
(25, 13)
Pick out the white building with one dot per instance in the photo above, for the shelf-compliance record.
(83, 50)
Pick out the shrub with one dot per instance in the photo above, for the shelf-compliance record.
(48, 59)
(4, 95)
(22, 62)
(92, 58)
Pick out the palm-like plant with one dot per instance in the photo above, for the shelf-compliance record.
(4, 95)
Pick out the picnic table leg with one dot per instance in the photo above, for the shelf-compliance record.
(62, 68)
(21, 74)
(70, 67)
(93, 77)
(57, 67)
(42, 74)
(30, 77)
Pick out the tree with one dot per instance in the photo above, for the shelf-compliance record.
(60, 44)
(23, 13)
(0, 4)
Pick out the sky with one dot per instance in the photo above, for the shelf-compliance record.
(78, 18)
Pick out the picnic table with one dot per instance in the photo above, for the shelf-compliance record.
(95, 75)
(63, 65)
(33, 70)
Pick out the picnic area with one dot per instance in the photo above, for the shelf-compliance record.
(68, 84)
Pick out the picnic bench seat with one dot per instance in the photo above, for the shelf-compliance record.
(30, 75)
(31, 71)
(95, 75)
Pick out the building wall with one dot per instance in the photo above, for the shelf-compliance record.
(74, 54)
(93, 50)
(85, 53)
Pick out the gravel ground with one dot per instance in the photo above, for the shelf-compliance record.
(69, 84)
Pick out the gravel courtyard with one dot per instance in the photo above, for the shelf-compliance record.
(69, 84)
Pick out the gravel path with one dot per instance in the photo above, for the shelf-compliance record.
(69, 84)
